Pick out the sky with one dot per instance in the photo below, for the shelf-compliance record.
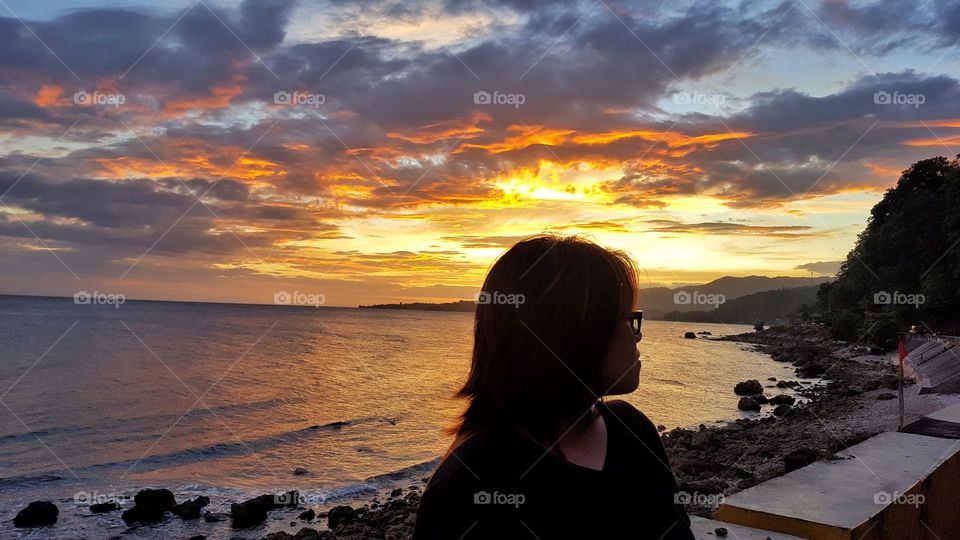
(383, 151)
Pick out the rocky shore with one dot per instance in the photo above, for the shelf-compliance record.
(856, 402)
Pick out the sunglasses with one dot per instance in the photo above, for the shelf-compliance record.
(636, 319)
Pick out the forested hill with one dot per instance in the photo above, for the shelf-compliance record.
(905, 267)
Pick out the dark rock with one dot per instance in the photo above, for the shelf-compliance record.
(886, 395)
(810, 371)
(198, 537)
(300, 471)
(37, 514)
(339, 515)
(720, 531)
(155, 499)
(690, 335)
(783, 399)
(781, 410)
(853, 391)
(701, 440)
(800, 458)
(787, 384)
(661, 427)
(396, 492)
(772, 379)
(747, 388)
(101, 508)
(748, 404)
(289, 498)
(210, 517)
(191, 509)
(251, 512)
(142, 514)
(761, 399)
(307, 515)
(705, 333)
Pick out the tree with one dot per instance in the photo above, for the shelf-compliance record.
(908, 250)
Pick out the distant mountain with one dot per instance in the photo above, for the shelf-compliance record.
(767, 306)
(658, 301)
(459, 305)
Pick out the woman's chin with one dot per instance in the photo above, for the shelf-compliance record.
(628, 383)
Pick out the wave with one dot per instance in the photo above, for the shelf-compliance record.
(135, 428)
(406, 473)
(220, 450)
(671, 382)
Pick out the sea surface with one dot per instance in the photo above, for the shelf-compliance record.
(226, 400)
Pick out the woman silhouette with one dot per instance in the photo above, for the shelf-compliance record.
(538, 453)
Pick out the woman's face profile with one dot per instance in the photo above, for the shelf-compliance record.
(621, 362)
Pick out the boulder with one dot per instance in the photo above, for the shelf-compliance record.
(783, 399)
(191, 509)
(781, 410)
(760, 398)
(748, 404)
(886, 395)
(339, 515)
(156, 499)
(810, 371)
(101, 508)
(37, 514)
(800, 458)
(307, 515)
(211, 517)
(747, 388)
(690, 335)
(701, 440)
(142, 514)
(300, 471)
(787, 384)
(251, 512)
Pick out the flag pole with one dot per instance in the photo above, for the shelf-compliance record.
(903, 354)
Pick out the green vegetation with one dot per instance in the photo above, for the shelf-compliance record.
(775, 305)
(905, 267)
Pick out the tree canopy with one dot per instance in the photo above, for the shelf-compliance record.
(905, 267)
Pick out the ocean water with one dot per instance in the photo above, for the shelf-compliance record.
(227, 400)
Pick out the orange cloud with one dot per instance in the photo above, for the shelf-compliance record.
(220, 97)
(527, 136)
(672, 138)
(538, 134)
(455, 128)
(934, 141)
(49, 95)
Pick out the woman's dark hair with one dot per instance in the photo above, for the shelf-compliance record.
(538, 359)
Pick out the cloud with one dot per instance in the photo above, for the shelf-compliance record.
(827, 268)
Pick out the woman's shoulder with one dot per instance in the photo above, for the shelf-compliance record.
(484, 455)
(632, 418)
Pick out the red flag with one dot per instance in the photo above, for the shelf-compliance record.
(903, 351)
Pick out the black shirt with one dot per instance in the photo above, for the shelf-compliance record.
(503, 485)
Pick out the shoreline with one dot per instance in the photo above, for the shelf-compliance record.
(709, 462)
